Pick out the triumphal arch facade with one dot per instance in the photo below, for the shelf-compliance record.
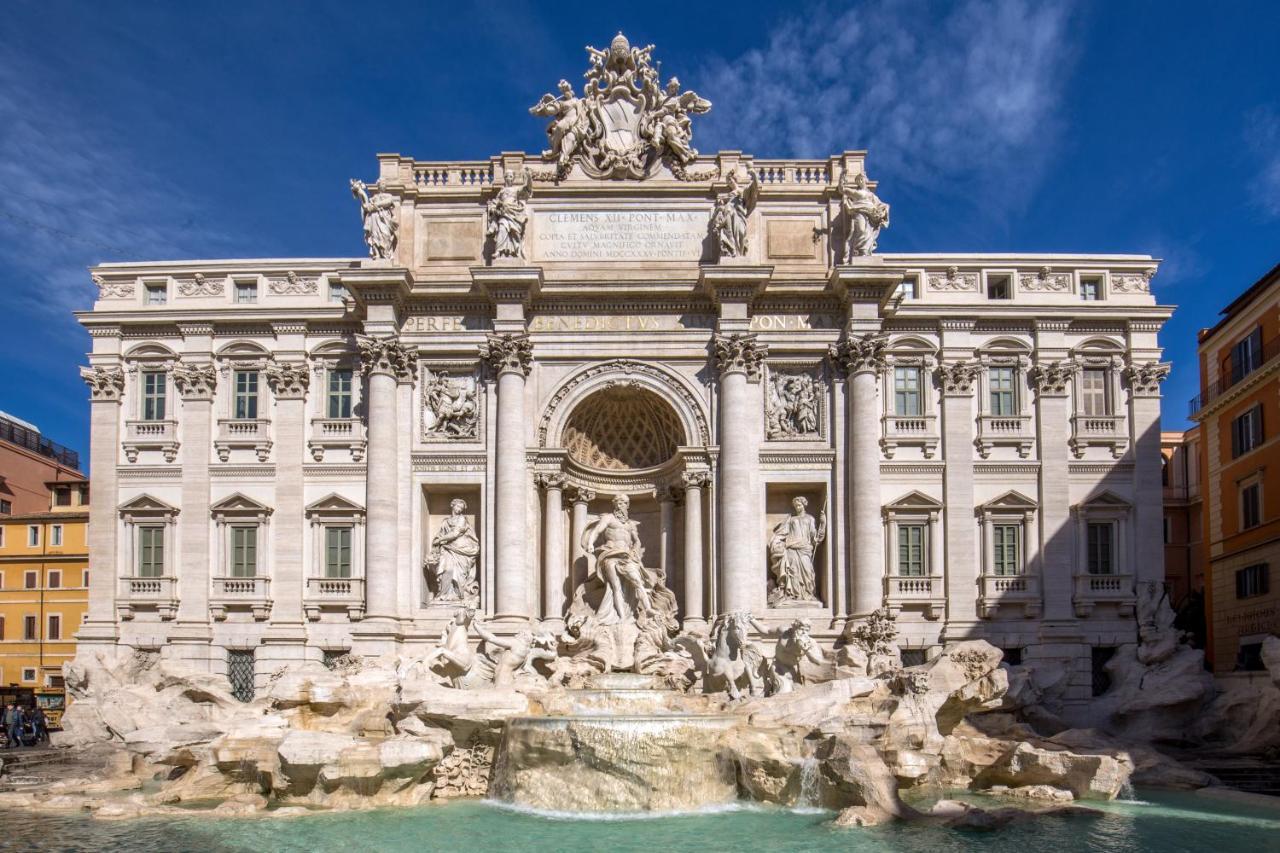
(621, 377)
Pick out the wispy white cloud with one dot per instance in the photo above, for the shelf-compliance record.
(940, 100)
(1262, 135)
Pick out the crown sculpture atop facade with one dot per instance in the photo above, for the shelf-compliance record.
(625, 122)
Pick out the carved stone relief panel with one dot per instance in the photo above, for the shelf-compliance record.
(450, 404)
(795, 403)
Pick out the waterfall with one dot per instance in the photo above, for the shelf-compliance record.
(808, 797)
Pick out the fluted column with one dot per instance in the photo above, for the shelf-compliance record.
(582, 499)
(384, 360)
(862, 357)
(554, 567)
(742, 576)
(693, 547)
(510, 356)
(289, 382)
(195, 383)
(106, 386)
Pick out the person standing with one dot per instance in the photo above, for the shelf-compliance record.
(13, 725)
(41, 723)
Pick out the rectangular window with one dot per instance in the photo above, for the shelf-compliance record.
(906, 391)
(31, 580)
(157, 294)
(1094, 393)
(1101, 547)
(337, 292)
(153, 395)
(1246, 356)
(86, 579)
(340, 392)
(30, 628)
(1003, 399)
(54, 631)
(1250, 506)
(907, 289)
(911, 550)
(337, 552)
(999, 287)
(1246, 431)
(1090, 289)
(246, 292)
(55, 535)
(245, 401)
(151, 551)
(33, 536)
(55, 579)
(244, 551)
(84, 496)
(28, 673)
(1, 629)
(6, 507)
(1253, 580)
(1006, 543)
(62, 496)
(240, 672)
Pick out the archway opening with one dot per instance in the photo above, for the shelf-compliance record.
(623, 428)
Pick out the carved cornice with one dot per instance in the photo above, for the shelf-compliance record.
(508, 353)
(288, 379)
(387, 356)
(106, 384)
(195, 381)
(196, 329)
(1049, 379)
(860, 354)
(956, 378)
(1144, 378)
(739, 353)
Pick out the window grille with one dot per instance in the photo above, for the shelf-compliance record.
(240, 674)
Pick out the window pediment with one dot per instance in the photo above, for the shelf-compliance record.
(1010, 501)
(334, 504)
(1104, 500)
(240, 505)
(147, 505)
(913, 501)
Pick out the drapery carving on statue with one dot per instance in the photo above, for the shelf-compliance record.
(105, 383)
(729, 217)
(386, 355)
(739, 352)
(450, 564)
(625, 122)
(864, 215)
(508, 353)
(195, 381)
(379, 217)
(791, 555)
(508, 215)
(450, 403)
(791, 408)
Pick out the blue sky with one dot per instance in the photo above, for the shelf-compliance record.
(157, 130)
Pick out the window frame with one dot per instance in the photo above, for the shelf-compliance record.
(30, 627)
(153, 402)
(1094, 562)
(31, 579)
(1250, 484)
(150, 289)
(251, 398)
(242, 550)
(349, 530)
(55, 535)
(1087, 394)
(145, 534)
(1002, 549)
(53, 627)
(903, 395)
(1094, 282)
(336, 398)
(1248, 431)
(1253, 581)
(34, 536)
(919, 566)
(53, 579)
(241, 288)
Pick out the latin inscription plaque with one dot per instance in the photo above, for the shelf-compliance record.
(619, 235)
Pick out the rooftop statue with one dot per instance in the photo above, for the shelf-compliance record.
(624, 122)
(379, 214)
(729, 217)
(508, 215)
(865, 214)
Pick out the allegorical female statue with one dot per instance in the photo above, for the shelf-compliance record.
(865, 214)
(791, 550)
(452, 559)
(508, 215)
(379, 216)
(729, 218)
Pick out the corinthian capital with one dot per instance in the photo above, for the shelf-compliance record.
(195, 381)
(385, 355)
(1050, 378)
(288, 379)
(860, 354)
(105, 383)
(1144, 378)
(508, 353)
(739, 353)
(694, 479)
(956, 378)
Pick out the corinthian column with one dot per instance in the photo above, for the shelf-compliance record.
(693, 483)
(582, 497)
(956, 380)
(288, 381)
(862, 358)
(742, 577)
(510, 356)
(196, 384)
(554, 567)
(384, 361)
(106, 385)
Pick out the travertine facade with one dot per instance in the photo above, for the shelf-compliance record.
(277, 444)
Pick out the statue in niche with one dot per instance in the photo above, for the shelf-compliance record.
(791, 549)
(792, 407)
(865, 214)
(379, 214)
(729, 218)
(452, 558)
(515, 656)
(509, 214)
(452, 404)
(619, 558)
(571, 124)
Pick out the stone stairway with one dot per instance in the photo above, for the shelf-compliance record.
(35, 767)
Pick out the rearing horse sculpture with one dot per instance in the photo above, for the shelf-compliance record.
(733, 658)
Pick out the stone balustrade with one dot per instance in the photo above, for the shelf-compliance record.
(927, 591)
(337, 433)
(252, 593)
(149, 593)
(1092, 590)
(910, 430)
(1005, 430)
(150, 435)
(252, 433)
(336, 593)
(1098, 430)
(1009, 590)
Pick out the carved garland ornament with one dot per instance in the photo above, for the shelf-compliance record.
(195, 381)
(624, 368)
(1132, 282)
(1144, 379)
(1050, 378)
(386, 355)
(113, 289)
(953, 280)
(508, 353)
(200, 285)
(860, 354)
(292, 284)
(105, 383)
(1045, 281)
(739, 353)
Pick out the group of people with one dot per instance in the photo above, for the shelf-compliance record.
(24, 726)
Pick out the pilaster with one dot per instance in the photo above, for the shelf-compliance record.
(1050, 379)
(956, 381)
(106, 386)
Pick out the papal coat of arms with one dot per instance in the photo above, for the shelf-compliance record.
(625, 121)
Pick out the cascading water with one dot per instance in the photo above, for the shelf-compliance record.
(808, 797)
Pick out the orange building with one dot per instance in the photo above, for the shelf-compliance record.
(1184, 557)
(29, 461)
(1238, 410)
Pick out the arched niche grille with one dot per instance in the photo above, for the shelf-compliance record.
(622, 428)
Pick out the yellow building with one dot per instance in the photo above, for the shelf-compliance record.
(44, 594)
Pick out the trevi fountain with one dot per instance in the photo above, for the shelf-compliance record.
(797, 599)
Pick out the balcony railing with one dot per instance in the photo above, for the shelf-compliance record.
(33, 441)
(345, 593)
(337, 432)
(1232, 375)
(1091, 590)
(253, 433)
(160, 593)
(253, 593)
(1004, 430)
(916, 590)
(910, 430)
(151, 435)
(1108, 430)
(1013, 590)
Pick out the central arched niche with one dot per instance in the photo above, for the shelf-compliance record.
(622, 428)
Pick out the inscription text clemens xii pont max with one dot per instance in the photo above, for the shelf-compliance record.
(600, 235)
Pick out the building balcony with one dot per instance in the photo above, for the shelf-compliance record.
(345, 433)
(998, 591)
(158, 594)
(1005, 430)
(1098, 430)
(925, 592)
(911, 431)
(334, 593)
(1092, 590)
(243, 594)
(151, 435)
(233, 433)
